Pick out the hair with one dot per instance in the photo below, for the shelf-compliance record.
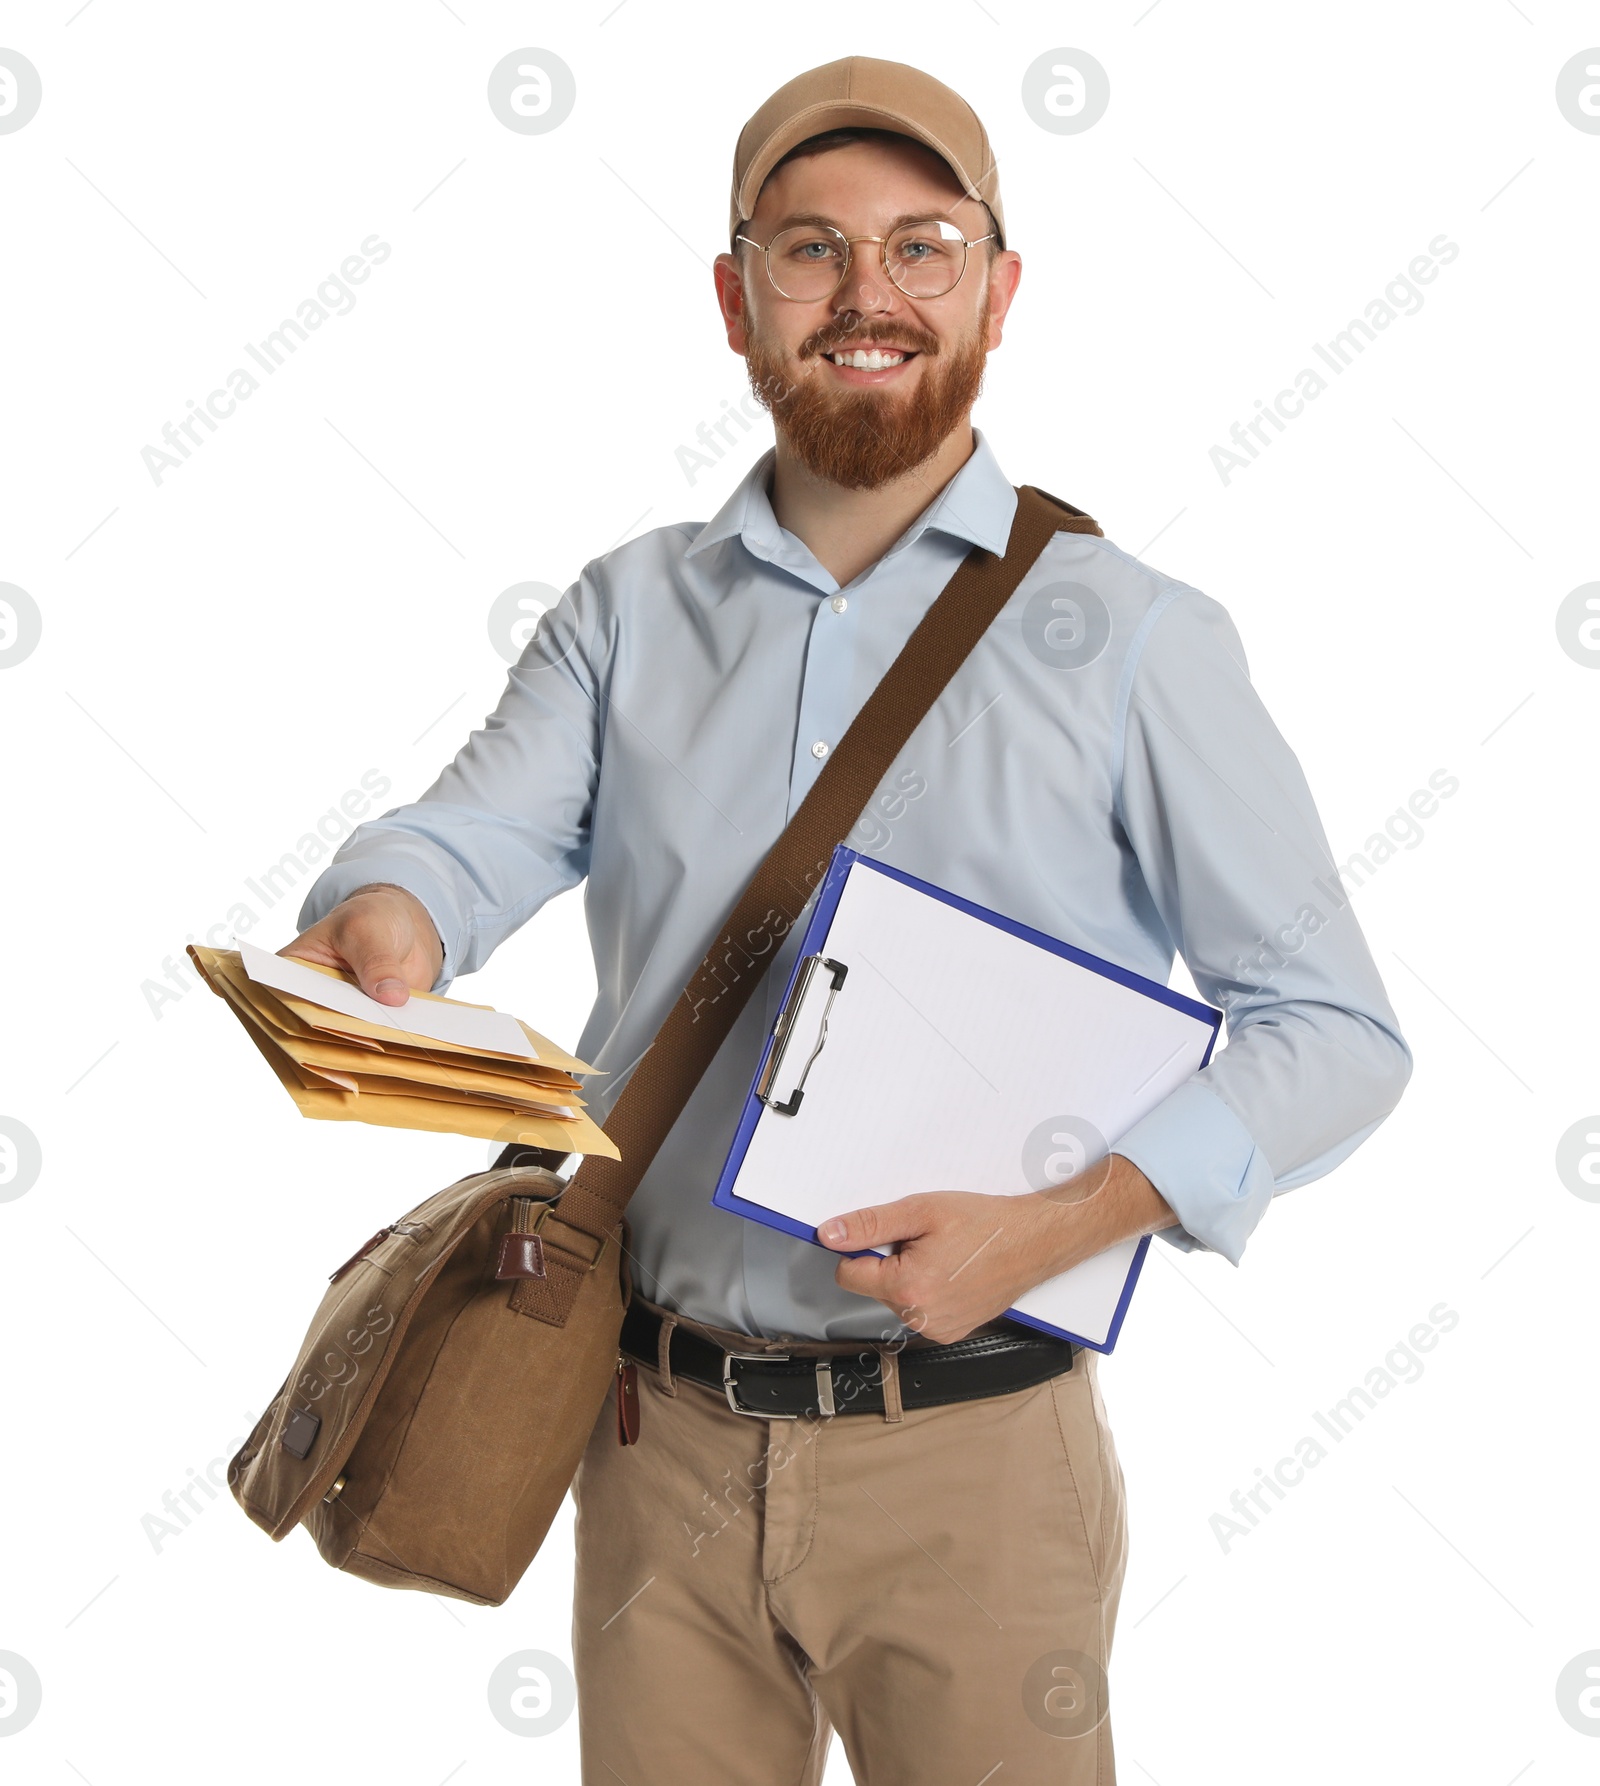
(862, 133)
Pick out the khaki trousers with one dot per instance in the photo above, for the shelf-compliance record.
(939, 1585)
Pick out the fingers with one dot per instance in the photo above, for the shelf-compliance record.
(877, 1225)
(384, 937)
(381, 975)
(377, 939)
(869, 1276)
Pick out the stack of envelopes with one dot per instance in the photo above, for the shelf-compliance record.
(432, 1063)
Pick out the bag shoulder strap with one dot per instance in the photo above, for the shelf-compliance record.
(701, 1018)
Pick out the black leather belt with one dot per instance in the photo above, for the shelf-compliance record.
(778, 1386)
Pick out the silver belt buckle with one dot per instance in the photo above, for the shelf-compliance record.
(824, 1371)
(730, 1388)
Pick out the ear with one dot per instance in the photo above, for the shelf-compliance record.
(1004, 277)
(730, 299)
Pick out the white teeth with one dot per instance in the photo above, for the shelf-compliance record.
(876, 361)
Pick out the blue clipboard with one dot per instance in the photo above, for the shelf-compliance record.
(797, 1041)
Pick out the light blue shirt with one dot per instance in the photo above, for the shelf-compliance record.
(1100, 769)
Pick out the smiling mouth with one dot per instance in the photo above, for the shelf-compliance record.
(874, 359)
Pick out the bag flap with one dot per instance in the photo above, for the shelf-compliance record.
(299, 1445)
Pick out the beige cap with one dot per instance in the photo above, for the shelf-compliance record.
(863, 91)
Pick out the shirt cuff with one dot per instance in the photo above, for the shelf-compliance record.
(1203, 1160)
(340, 879)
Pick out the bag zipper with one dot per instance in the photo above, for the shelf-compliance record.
(627, 1400)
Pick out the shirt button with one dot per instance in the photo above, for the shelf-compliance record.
(839, 604)
(819, 750)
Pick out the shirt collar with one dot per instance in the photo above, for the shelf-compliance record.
(977, 505)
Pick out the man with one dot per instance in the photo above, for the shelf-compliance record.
(933, 1569)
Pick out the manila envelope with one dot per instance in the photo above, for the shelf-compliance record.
(455, 1112)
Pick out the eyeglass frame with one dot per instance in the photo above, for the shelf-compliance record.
(883, 255)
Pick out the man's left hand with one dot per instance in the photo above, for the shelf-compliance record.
(963, 1257)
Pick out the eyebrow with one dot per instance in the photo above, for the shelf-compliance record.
(815, 217)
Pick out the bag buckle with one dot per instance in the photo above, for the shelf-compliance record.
(569, 1245)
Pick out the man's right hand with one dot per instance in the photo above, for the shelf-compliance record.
(381, 934)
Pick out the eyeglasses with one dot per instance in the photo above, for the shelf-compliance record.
(810, 260)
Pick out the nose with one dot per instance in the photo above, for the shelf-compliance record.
(867, 286)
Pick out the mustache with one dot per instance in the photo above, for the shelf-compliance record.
(850, 329)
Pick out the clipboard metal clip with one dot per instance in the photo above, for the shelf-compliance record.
(783, 1031)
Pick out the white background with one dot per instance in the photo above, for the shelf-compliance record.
(226, 653)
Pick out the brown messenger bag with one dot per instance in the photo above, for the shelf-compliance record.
(443, 1396)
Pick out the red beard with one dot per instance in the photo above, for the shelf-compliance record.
(862, 439)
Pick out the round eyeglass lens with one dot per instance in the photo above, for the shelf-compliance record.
(926, 259)
(806, 261)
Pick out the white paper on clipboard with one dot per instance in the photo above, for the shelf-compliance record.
(960, 1052)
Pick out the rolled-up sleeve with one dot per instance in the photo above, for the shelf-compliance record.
(507, 824)
(1217, 811)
